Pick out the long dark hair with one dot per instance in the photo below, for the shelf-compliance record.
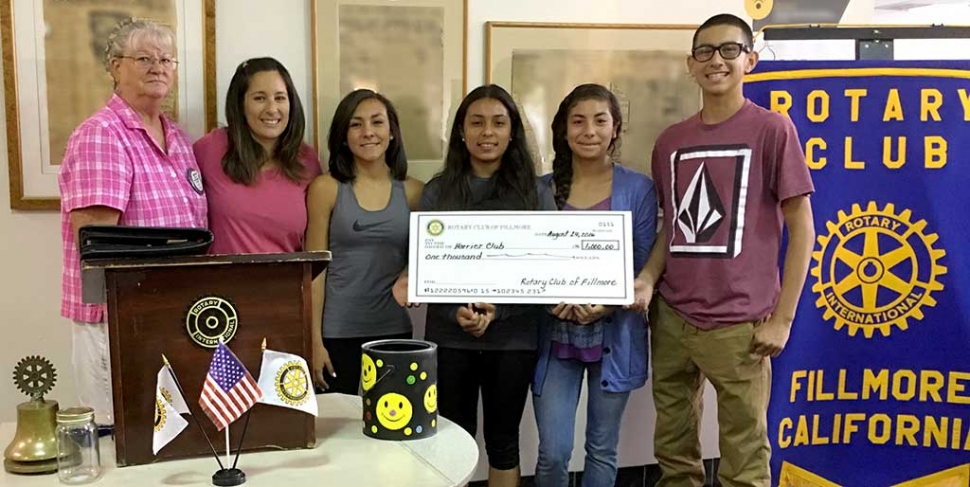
(515, 180)
(562, 164)
(342, 159)
(246, 155)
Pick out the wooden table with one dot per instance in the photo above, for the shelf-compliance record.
(343, 457)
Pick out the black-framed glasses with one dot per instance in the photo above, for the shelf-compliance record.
(146, 62)
(728, 50)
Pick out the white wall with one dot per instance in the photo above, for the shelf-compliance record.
(30, 242)
(252, 28)
(30, 293)
(946, 13)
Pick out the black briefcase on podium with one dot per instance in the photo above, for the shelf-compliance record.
(164, 298)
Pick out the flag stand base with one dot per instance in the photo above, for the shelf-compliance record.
(229, 477)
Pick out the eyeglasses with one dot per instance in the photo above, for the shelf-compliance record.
(145, 62)
(728, 50)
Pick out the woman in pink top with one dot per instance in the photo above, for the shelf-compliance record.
(257, 169)
(127, 164)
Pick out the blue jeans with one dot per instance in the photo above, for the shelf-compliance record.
(555, 412)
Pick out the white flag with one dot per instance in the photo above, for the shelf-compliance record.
(169, 406)
(285, 381)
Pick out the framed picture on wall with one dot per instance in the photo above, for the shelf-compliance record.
(54, 78)
(411, 51)
(644, 65)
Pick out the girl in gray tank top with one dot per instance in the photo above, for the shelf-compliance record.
(370, 250)
(360, 212)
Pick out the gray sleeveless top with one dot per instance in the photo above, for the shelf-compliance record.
(370, 250)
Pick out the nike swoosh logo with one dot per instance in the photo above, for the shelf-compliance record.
(360, 228)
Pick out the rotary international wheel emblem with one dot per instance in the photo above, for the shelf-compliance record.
(292, 384)
(160, 415)
(876, 269)
(209, 319)
(436, 228)
(34, 376)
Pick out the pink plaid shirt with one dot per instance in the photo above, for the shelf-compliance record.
(112, 161)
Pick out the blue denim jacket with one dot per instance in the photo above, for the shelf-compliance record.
(625, 346)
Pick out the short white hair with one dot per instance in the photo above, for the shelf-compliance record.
(121, 36)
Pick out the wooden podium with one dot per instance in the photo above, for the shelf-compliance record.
(180, 306)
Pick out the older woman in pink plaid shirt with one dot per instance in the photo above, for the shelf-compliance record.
(125, 165)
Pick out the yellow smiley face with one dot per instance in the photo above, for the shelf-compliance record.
(394, 411)
(368, 372)
(431, 398)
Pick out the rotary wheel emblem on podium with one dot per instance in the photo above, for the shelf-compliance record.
(209, 319)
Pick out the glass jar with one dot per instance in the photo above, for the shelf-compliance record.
(78, 453)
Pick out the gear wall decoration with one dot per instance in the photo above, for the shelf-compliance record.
(876, 269)
(35, 376)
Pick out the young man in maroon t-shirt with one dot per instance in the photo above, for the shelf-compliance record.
(729, 179)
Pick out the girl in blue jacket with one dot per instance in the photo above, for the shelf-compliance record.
(607, 344)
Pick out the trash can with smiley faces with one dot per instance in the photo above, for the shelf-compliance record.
(398, 382)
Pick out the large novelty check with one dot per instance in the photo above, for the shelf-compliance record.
(540, 257)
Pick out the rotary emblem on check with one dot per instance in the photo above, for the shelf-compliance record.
(435, 228)
(209, 319)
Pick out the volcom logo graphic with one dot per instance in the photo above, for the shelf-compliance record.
(701, 212)
(709, 188)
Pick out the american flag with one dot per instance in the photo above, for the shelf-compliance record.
(229, 390)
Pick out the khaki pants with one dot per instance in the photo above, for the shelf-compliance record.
(683, 357)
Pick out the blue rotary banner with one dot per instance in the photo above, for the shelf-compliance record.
(874, 387)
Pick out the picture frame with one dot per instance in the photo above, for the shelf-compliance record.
(36, 124)
(644, 65)
(428, 36)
